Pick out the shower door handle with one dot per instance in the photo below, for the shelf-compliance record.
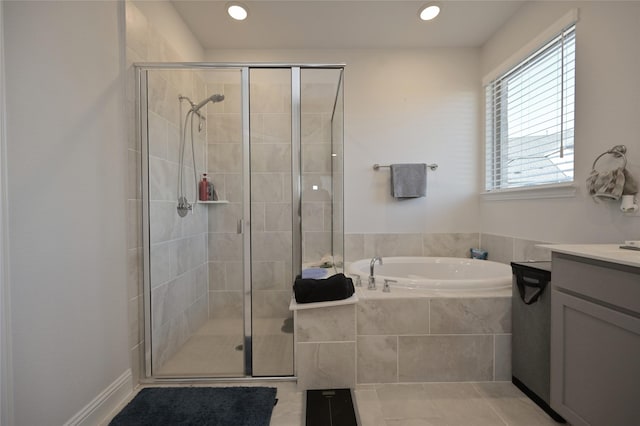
(240, 226)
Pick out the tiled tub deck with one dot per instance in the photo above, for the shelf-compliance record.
(399, 338)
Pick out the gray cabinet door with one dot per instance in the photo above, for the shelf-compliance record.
(595, 363)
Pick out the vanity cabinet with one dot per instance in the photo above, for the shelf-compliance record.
(595, 341)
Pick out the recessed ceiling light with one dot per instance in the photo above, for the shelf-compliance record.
(429, 11)
(237, 11)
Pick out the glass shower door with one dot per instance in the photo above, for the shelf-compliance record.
(195, 255)
(270, 106)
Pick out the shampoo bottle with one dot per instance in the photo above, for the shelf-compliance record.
(203, 188)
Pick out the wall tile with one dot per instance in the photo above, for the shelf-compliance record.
(392, 245)
(269, 275)
(224, 158)
(271, 246)
(471, 315)
(224, 217)
(270, 158)
(353, 247)
(217, 276)
(450, 245)
(502, 357)
(500, 248)
(271, 303)
(268, 187)
(316, 158)
(323, 183)
(225, 128)
(393, 316)
(445, 358)
(157, 136)
(225, 304)
(225, 247)
(377, 359)
(277, 217)
(315, 245)
(276, 128)
(325, 365)
(336, 323)
(527, 250)
(314, 216)
(164, 222)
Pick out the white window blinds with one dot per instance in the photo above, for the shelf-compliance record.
(530, 118)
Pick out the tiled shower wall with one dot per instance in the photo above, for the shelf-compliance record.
(178, 275)
(271, 236)
(316, 108)
(179, 304)
(224, 165)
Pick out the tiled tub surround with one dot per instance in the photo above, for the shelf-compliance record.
(452, 244)
(501, 248)
(507, 249)
(399, 339)
(433, 339)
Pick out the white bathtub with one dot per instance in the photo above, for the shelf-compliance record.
(436, 273)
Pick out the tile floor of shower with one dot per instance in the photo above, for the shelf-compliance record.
(216, 350)
(416, 404)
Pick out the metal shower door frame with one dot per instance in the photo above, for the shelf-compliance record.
(142, 133)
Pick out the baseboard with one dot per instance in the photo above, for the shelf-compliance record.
(103, 404)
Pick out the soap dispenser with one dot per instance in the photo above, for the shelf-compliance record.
(203, 188)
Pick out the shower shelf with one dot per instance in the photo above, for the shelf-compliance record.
(214, 202)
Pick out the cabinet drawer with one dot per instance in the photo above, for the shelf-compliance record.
(617, 285)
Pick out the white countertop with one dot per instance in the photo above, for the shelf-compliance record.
(295, 306)
(605, 252)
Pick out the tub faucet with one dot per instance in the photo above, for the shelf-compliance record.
(372, 279)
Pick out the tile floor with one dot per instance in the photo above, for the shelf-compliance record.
(215, 350)
(417, 404)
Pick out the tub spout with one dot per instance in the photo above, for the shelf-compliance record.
(372, 278)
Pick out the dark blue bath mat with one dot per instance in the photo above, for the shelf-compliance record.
(235, 406)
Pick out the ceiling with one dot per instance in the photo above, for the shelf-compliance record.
(334, 24)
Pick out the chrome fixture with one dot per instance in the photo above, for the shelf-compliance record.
(377, 166)
(358, 280)
(213, 98)
(386, 287)
(372, 279)
(183, 203)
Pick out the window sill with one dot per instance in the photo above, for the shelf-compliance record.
(562, 190)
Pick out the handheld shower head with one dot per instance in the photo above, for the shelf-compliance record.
(213, 98)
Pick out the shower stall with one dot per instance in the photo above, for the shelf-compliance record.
(218, 273)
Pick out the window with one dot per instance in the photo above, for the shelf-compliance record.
(530, 118)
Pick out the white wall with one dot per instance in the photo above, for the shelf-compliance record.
(414, 105)
(169, 23)
(607, 114)
(66, 182)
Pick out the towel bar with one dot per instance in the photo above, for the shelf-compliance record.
(432, 166)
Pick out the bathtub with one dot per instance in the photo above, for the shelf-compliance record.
(448, 274)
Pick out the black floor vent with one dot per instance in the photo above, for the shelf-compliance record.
(330, 407)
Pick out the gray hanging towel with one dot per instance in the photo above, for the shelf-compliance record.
(408, 180)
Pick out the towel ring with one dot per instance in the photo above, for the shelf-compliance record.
(617, 151)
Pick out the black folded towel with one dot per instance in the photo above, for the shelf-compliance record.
(336, 287)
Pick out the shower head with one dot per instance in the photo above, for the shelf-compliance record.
(213, 98)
